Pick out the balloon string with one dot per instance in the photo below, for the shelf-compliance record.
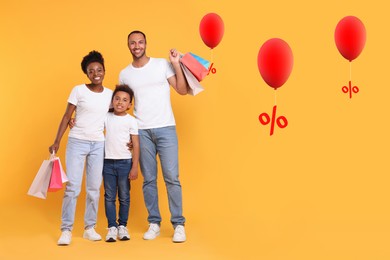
(275, 97)
(350, 71)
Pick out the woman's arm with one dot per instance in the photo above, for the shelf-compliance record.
(62, 127)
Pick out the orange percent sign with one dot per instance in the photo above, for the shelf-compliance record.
(212, 69)
(350, 89)
(265, 119)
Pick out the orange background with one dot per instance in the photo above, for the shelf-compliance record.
(317, 189)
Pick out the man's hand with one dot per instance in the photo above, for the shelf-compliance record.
(174, 56)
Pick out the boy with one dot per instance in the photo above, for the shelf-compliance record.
(120, 165)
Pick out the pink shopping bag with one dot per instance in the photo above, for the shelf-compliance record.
(193, 65)
(58, 176)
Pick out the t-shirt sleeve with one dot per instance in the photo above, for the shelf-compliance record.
(133, 126)
(73, 97)
(169, 71)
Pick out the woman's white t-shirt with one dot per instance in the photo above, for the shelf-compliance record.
(91, 110)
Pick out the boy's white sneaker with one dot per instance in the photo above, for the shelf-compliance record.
(91, 234)
(123, 233)
(112, 234)
(179, 235)
(65, 238)
(153, 232)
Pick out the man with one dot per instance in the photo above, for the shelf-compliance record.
(150, 79)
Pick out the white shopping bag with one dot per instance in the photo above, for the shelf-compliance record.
(195, 87)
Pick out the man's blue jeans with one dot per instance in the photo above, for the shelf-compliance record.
(161, 141)
(116, 181)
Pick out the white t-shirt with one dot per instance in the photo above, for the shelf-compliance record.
(118, 131)
(152, 107)
(91, 110)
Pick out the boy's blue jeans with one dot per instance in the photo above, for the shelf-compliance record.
(161, 141)
(116, 181)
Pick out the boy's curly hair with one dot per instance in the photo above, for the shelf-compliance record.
(124, 88)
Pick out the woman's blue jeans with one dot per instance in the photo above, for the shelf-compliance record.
(80, 153)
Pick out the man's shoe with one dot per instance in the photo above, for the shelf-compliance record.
(180, 234)
(153, 232)
(112, 234)
(123, 233)
(91, 234)
(65, 238)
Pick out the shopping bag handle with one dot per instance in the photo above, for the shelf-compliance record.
(52, 155)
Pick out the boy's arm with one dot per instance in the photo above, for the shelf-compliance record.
(135, 157)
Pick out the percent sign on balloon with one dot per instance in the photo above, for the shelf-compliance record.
(350, 89)
(265, 119)
(212, 69)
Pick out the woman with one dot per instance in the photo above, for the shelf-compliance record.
(85, 146)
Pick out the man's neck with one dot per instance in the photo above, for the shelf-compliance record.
(139, 63)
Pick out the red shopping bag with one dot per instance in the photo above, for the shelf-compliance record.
(58, 176)
(193, 65)
(202, 61)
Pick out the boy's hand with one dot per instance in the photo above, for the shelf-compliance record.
(133, 175)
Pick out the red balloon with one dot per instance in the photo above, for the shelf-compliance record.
(350, 37)
(211, 29)
(275, 61)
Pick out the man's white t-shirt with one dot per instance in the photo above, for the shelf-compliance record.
(91, 110)
(152, 107)
(118, 131)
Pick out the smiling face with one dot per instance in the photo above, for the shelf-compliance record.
(121, 102)
(95, 73)
(137, 45)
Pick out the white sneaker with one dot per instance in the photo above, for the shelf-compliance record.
(65, 238)
(179, 235)
(91, 234)
(123, 233)
(153, 232)
(112, 234)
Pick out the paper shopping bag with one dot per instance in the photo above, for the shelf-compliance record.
(202, 61)
(41, 181)
(58, 176)
(193, 83)
(193, 65)
(63, 174)
(55, 179)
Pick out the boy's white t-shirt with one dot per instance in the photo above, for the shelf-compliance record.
(91, 110)
(152, 107)
(118, 131)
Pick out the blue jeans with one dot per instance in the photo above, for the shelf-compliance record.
(116, 180)
(161, 141)
(78, 153)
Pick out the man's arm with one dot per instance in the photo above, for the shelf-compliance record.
(178, 82)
